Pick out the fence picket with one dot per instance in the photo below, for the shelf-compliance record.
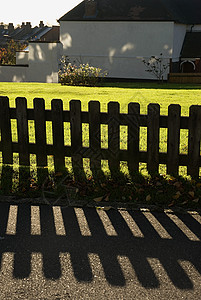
(40, 132)
(6, 137)
(94, 135)
(58, 134)
(153, 137)
(133, 136)
(76, 133)
(6, 144)
(22, 130)
(174, 114)
(113, 136)
(194, 140)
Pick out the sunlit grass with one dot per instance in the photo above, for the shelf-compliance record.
(124, 93)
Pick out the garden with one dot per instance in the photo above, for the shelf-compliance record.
(159, 189)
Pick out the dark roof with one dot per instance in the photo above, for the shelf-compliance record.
(20, 34)
(192, 45)
(187, 11)
(181, 11)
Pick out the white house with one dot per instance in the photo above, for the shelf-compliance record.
(40, 61)
(115, 35)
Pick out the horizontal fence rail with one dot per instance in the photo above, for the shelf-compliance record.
(153, 121)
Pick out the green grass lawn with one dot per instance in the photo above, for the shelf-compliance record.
(143, 93)
(124, 92)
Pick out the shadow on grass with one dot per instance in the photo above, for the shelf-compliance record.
(115, 188)
(150, 85)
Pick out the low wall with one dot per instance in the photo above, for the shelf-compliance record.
(17, 73)
(44, 61)
(184, 77)
(42, 65)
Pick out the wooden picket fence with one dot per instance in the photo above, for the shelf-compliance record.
(113, 118)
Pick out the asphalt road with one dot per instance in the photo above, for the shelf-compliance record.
(83, 253)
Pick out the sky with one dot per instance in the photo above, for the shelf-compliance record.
(48, 11)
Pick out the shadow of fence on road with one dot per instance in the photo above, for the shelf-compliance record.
(138, 249)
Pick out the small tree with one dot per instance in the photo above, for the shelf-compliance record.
(3, 55)
(157, 66)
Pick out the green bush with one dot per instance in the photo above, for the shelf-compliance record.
(83, 74)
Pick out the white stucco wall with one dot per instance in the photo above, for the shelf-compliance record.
(43, 64)
(194, 28)
(179, 35)
(22, 58)
(117, 47)
(13, 74)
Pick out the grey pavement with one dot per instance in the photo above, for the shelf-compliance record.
(83, 253)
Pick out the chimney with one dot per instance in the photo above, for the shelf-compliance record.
(28, 27)
(23, 25)
(90, 8)
(2, 26)
(41, 25)
(10, 28)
